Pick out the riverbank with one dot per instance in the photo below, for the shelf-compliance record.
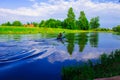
(34, 30)
(108, 66)
(111, 78)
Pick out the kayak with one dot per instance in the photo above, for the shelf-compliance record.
(61, 38)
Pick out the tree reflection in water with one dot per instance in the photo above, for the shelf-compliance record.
(81, 39)
(70, 39)
(93, 39)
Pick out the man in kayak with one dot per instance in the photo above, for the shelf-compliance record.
(59, 36)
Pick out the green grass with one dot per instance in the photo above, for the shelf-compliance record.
(28, 30)
(109, 66)
(16, 30)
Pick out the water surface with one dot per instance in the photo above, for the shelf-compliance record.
(42, 56)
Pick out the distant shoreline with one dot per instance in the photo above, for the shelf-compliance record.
(36, 30)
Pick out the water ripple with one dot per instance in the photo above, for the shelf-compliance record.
(16, 51)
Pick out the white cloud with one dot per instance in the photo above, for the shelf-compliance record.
(32, 0)
(20, 11)
(58, 9)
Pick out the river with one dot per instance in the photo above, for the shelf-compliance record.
(42, 56)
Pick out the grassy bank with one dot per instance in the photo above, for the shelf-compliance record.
(20, 30)
(29, 30)
(109, 66)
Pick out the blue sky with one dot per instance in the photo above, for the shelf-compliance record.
(37, 10)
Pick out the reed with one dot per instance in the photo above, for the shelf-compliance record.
(108, 66)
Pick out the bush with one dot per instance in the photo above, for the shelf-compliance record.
(16, 23)
(102, 29)
(117, 29)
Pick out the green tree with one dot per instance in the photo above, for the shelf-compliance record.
(59, 24)
(83, 22)
(94, 23)
(70, 20)
(28, 23)
(17, 23)
(6, 24)
(42, 23)
(64, 24)
(117, 28)
(51, 23)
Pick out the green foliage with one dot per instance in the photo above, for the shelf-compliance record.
(69, 23)
(94, 23)
(83, 22)
(84, 72)
(51, 23)
(109, 66)
(18, 30)
(26, 30)
(102, 29)
(42, 23)
(6, 24)
(117, 28)
(103, 59)
(70, 20)
(35, 24)
(16, 23)
(64, 24)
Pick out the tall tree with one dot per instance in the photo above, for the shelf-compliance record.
(94, 23)
(83, 22)
(70, 20)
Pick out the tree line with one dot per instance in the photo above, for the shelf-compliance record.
(18, 23)
(70, 22)
(117, 28)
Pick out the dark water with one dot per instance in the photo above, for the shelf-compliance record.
(41, 56)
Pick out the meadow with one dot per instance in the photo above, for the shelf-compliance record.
(34, 30)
